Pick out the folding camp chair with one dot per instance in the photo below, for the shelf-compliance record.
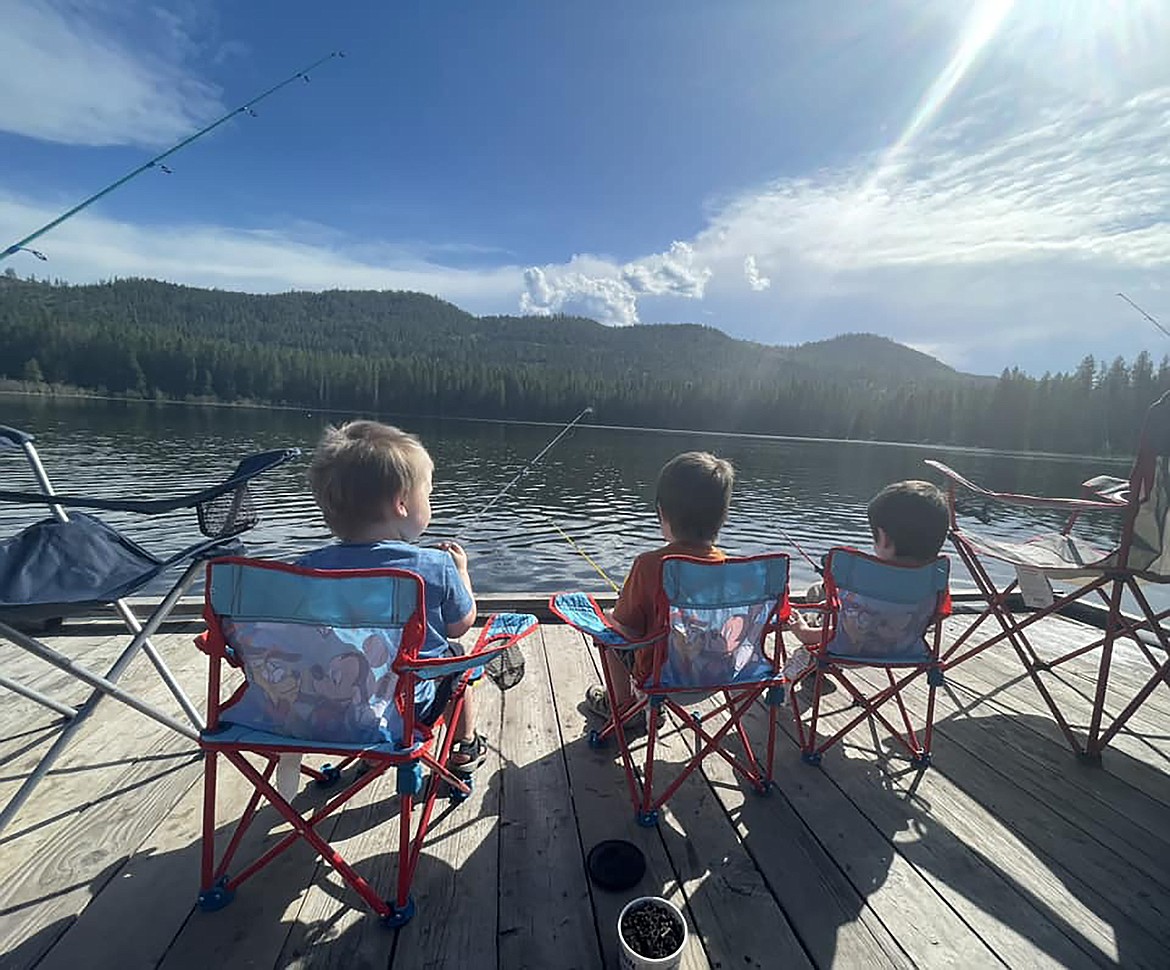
(330, 663)
(721, 615)
(1140, 507)
(69, 565)
(883, 615)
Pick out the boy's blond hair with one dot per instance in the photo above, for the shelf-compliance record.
(694, 494)
(360, 467)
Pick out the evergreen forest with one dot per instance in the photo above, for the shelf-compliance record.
(408, 353)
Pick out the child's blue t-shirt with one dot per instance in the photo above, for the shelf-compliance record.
(447, 598)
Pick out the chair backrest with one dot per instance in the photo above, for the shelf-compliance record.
(1145, 540)
(881, 610)
(318, 648)
(720, 614)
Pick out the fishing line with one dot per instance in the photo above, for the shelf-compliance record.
(524, 471)
(246, 108)
(582, 553)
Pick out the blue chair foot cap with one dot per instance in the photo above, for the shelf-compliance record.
(596, 741)
(330, 776)
(810, 757)
(217, 897)
(647, 819)
(399, 917)
(456, 795)
(921, 760)
(765, 788)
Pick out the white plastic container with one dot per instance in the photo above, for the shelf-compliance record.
(635, 961)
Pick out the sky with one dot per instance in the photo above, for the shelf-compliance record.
(976, 179)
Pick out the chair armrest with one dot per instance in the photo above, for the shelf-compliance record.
(582, 612)
(501, 631)
(13, 439)
(1027, 501)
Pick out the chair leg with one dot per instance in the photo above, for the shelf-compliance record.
(35, 695)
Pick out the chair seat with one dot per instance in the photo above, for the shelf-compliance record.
(57, 568)
(1058, 555)
(232, 735)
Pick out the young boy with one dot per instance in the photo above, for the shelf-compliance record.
(693, 495)
(909, 522)
(372, 481)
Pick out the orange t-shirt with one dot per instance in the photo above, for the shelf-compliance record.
(639, 604)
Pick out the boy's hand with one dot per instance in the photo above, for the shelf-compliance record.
(456, 552)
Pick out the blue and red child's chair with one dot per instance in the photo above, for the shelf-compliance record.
(722, 618)
(882, 615)
(330, 661)
(1101, 585)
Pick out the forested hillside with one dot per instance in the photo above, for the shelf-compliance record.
(409, 353)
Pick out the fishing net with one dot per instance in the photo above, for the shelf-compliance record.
(507, 669)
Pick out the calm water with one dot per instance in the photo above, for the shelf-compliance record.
(596, 484)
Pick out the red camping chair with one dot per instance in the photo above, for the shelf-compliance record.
(721, 616)
(330, 663)
(1141, 508)
(882, 615)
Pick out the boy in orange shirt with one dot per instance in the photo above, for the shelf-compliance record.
(693, 496)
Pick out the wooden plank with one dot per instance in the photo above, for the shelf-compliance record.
(716, 867)
(252, 930)
(997, 681)
(833, 921)
(45, 893)
(1049, 862)
(602, 801)
(546, 919)
(107, 743)
(455, 887)
(160, 880)
(867, 850)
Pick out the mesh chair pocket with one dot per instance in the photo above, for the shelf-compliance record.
(228, 514)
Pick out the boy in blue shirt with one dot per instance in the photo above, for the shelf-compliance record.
(372, 482)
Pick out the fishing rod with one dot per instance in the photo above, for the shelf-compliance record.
(1144, 314)
(799, 548)
(22, 244)
(525, 470)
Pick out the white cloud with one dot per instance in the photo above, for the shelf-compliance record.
(69, 77)
(752, 272)
(610, 293)
(90, 247)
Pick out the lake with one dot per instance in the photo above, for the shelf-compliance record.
(597, 484)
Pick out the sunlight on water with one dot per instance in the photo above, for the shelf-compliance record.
(597, 485)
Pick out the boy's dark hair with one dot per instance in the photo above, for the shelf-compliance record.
(914, 517)
(694, 492)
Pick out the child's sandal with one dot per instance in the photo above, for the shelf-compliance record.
(474, 751)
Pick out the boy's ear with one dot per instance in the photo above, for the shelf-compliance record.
(882, 544)
(399, 507)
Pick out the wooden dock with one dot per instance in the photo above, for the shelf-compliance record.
(1008, 852)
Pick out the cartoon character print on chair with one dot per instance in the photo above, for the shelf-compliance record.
(716, 646)
(313, 682)
(870, 627)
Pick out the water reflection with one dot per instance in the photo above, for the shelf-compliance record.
(597, 484)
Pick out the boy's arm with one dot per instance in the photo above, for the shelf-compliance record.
(799, 627)
(457, 628)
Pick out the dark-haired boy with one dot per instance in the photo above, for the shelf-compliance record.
(909, 522)
(692, 499)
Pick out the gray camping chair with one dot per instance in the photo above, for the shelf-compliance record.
(71, 564)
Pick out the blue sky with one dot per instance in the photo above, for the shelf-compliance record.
(977, 180)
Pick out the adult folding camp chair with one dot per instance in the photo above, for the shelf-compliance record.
(69, 565)
(330, 662)
(721, 616)
(1140, 508)
(885, 616)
